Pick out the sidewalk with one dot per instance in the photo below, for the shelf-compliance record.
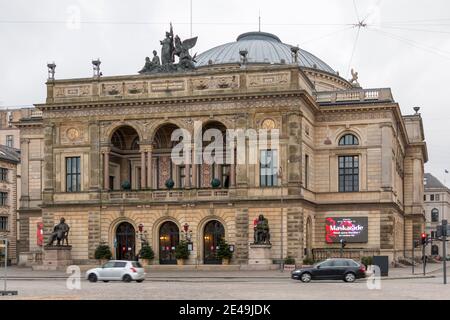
(27, 273)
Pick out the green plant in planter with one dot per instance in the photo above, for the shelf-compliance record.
(215, 183)
(146, 253)
(103, 252)
(181, 250)
(126, 185)
(308, 261)
(224, 251)
(367, 261)
(289, 260)
(169, 183)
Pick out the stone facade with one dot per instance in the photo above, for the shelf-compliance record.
(9, 159)
(119, 134)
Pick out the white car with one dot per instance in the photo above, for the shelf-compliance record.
(126, 271)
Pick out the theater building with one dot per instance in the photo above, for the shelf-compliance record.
(350, 161)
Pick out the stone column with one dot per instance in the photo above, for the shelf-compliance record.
(194, 170)
(49, 176)
(106, 169)
(24, 198)
(143, 164)
(149, 167)
(386, 157)
(232, 175)
(94, 161)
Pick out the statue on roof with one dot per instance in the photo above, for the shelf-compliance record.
(354, 80)
(167, 47)
(182, 51)
(171, 47)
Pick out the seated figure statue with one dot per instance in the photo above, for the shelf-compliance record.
(60, 232)
(261, 231)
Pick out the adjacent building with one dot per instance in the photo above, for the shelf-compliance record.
(347, 163)
(437, 208)
(9, 160)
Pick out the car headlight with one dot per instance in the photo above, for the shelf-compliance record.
(296, 271)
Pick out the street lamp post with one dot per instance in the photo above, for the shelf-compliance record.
(280, 176)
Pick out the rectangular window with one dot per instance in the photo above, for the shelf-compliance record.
(73, 174)
(306, 170)
(3, 174)
(431, 197)
(437, 197)
(9, 141)
(225, 180)
(111, 182)
(3, 223)
(348, 174)
(424, 197)
(181, 176)
(268, 168)
(3, 198)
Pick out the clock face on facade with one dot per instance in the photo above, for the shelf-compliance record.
(268, 124)
(73, 134)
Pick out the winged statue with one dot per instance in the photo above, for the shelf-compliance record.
(182, 51)
(171, 47)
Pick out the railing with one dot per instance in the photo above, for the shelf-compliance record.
(357, 254)
(167, 194)
(355, 95)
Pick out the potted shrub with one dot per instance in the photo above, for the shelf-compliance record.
(146, 255)
(126, 185)
(224, 252)
(289, 264)
(103, 253)
(367, 261)
(215, 183)
(181, 252)
(308, 261)
(169, 183)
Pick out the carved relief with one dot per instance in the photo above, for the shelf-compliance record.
(268, 124)
(112, 89)
(132, 88)
(270, 79)
(72, 134)
(214, 83)
(72, 91)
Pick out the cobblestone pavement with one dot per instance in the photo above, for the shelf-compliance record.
(227, 285)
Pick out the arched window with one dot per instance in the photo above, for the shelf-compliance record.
(434, 215)
(348, 140)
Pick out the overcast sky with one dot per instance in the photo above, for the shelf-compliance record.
(406, 45)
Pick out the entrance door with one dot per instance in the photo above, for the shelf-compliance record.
(125, 242)
(169, 236)
(212, 234)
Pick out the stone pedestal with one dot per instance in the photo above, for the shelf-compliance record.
(56, 258)
(260, 254)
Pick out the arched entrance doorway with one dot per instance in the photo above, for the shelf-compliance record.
(169, 236)
(125, 241)
(212, 234)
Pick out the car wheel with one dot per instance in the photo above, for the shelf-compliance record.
(92, 277)
(306, 277)
(139, 281)
(127, 278)
(349, 277)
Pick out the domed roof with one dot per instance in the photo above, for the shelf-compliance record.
(262, 47)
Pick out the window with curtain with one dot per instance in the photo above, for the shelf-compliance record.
(268, 168)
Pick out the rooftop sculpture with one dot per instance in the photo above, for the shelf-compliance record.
(171, 47)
